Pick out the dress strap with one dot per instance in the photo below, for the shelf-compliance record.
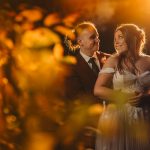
(107, 70)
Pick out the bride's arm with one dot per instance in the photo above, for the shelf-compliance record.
(102, 90)
(102, 87)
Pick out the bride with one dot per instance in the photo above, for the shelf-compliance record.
(124, 79)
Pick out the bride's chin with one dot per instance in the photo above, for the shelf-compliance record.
(121, 51)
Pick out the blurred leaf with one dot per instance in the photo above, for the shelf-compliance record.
(95, 109)
(30, 14)
(52, 19)
(40, 37)
(58, 51)
(71, 19)
(65, 31)
(69, 60)
(40, 141)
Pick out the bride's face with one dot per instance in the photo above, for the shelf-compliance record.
(119, 42)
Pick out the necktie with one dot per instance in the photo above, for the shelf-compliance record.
(94, 66)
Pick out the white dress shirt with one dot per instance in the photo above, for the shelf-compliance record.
(87, 58)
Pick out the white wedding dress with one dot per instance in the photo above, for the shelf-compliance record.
(123, 127)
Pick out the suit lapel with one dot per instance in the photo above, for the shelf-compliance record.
(83, 65)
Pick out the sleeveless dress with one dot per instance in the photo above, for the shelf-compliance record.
(123, 127)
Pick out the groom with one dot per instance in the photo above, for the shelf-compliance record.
(89, 62)
(84, 74)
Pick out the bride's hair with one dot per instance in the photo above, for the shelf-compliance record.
(73, 45)
(135, 40)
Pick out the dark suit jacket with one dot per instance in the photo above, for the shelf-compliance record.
(82, 79)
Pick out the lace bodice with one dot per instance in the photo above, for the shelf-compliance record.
(129, 82)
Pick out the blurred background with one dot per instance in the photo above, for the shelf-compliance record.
(34, 112)
(106, 14)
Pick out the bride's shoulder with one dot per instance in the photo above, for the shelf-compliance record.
(145, 62)
(145, 58)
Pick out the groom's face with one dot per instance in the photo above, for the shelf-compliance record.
(89, 40)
